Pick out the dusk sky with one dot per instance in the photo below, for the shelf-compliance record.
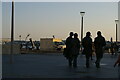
(45, 19)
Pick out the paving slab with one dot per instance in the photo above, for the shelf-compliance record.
(56, 66)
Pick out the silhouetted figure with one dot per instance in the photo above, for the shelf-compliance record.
(31, 43)
(26, 44)
(21, 46)
(68, 51)
(76, 49)
(91, 55)
(93, 50)
(87, 44)
(111, 47)
(115, 48)
(99, 43)
(118, 63)
(37, 45)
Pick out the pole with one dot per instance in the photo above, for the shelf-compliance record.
(82, 29)
(19, 37)
(12, 32)
(81, 32)
(116, 33)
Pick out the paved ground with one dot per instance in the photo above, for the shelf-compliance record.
(55, 66)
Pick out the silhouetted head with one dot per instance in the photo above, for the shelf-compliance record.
(75, 35)
(71, 33)
(88, 34)
(99, 33)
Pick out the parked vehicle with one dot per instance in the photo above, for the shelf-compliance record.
(59, 45)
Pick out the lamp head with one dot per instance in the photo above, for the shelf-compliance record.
(82, 13)
(116, 21)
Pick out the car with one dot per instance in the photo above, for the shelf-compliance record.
(59, 45)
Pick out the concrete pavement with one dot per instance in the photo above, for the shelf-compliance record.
(55, 66)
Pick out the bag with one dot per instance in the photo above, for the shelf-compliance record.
(66, 53)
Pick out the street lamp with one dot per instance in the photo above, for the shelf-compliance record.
(12, 31)
(82, 14)
(116, 21)
(19, 37)
(20, 41)
(27, 37)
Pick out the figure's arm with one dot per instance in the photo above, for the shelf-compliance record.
(78, 43)
(104, 43)
(95, 42)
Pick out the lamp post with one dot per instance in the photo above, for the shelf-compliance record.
(26, 39)
(19, 37)
(20, 41)
(82, 14)
(116, 21)
(12, 31)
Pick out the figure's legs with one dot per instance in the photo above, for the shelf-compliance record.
(87, 61)
(99, 57)
(91, 56)
(112, 53)
(70, 62)
(116, 52)
(98, 63)
(75, 61)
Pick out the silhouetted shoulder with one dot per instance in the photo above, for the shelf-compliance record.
(68, 40)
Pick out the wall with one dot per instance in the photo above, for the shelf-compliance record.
(6, 49)
(46, 44)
